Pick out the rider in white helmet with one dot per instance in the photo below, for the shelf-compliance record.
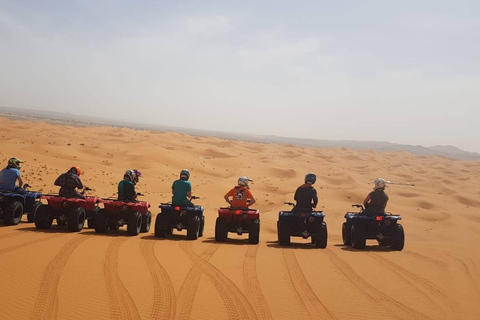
(126, 187)
(241, 195)
(376, 201)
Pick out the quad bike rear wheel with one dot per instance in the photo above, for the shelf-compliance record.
(202, 226)
(284, 234)
(398, 240)
(134, 223)
(146, 222)
(76, 219)
(43, 217)
(221, 229)
(193, 228)
(346, 234)
(321, 236)
(102, 223)
(12, 214)
(161, 225)
(31, 215)
(254, 232)
(358, 236)
(91, 218)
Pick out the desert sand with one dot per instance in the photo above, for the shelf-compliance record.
(55, 274)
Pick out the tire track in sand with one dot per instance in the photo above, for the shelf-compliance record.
(426, 259)
(10, 234)
(46, 305)
(237, 305)
(308, 298)
(189, 287)
(397, 309)
(122, 305)
(28, 243)
(164, 293)
(253, 291)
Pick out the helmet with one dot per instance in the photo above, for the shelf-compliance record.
(243, 181)
(77, 169)
(137, 174)
(379, 183)
(185, 174)
(310, 178)
(130, 174)
(14, 163)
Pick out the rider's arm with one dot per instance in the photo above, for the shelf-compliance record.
(367, 199)
(252, 201)
(20, 181)
(226, 197)
(314, 198)
(189, 194)
(79, 183)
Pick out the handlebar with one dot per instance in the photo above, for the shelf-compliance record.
(290, 203)
(26, 186)
(194, 198)
(140, 194)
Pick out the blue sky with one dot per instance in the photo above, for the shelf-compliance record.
(397, 71)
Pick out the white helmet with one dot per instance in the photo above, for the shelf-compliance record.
(130, 174)
(379, 183)
(243, 181)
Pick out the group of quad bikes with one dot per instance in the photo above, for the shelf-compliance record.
(72, 212)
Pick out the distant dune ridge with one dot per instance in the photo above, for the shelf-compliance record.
(444, 151)
(54, 274)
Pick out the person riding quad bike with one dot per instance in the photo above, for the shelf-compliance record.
(126, 187)
(306, 195)
(68, 182)
(241, 195)
(376, 201)
(182, 190)
(10, 175)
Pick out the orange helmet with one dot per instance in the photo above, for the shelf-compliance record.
(79, 171)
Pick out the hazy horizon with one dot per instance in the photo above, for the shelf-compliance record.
(405, 73)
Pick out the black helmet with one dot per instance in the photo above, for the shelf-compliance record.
(310, 178)
(185, 174)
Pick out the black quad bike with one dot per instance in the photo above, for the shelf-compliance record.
(14, 205)
(180, 217)
(384, 228)
(297, 223)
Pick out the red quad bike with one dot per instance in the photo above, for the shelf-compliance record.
(67, 211)
(117, 213)
(238, 220)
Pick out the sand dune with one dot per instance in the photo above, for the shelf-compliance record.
(55, 274)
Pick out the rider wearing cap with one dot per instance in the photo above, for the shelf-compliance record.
(306, 195)
(68, 182)
(376, 201)
(126, 187)
(182, 190)
(241, 195)
(10, 175)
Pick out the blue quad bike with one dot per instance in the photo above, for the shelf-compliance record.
(14, 205)
(384, 228)
(180, 218)
(303, 224)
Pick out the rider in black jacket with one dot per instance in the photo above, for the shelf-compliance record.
(306, 195)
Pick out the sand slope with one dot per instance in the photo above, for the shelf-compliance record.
(55, 274)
